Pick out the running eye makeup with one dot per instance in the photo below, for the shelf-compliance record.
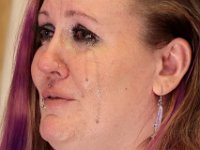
(83, 35)
(45, 33)
(79, 34)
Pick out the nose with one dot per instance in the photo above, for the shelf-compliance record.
(53, 66)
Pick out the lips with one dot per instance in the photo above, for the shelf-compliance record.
(55, 95)
(53, 98)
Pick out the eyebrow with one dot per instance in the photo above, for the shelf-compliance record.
(71, 13)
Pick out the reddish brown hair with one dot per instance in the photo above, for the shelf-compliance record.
(164, 21)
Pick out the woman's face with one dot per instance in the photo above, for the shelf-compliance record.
(95, 75)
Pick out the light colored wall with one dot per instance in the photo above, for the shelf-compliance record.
(5, 9)
(5, 6)
(17, 8)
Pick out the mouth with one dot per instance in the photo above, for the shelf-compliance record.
(53, 96)
(55, 100)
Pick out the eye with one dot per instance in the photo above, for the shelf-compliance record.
(45, 33)
(83, 35)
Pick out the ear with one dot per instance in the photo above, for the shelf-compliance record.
(172, 63)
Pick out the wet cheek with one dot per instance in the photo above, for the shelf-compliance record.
(98, 78)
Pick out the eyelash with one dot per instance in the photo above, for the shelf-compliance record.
(80, 34)
(45, 33)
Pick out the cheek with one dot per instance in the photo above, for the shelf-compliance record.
(124, 80)
(122, 74)
(34, 70)
(37, 76)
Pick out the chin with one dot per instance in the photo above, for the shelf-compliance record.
(54, 131)
(57, 131)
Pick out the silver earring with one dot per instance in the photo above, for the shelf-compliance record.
(159, 116)
(43, 104)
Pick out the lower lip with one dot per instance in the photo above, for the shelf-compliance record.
(56, 103)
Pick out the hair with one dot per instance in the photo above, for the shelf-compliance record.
(165, 20)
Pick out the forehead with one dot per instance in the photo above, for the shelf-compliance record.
(89, 6)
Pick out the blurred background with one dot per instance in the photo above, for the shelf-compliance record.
(11, 15)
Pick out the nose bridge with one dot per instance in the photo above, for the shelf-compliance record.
(50, 56)
(58, 43)
(54, 45)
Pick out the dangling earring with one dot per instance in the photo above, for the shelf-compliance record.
(43, 104)
(159, 116)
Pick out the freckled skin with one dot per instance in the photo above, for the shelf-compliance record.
(111, 80)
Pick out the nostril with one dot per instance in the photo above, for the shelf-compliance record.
(56, 73)
(63, 70)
